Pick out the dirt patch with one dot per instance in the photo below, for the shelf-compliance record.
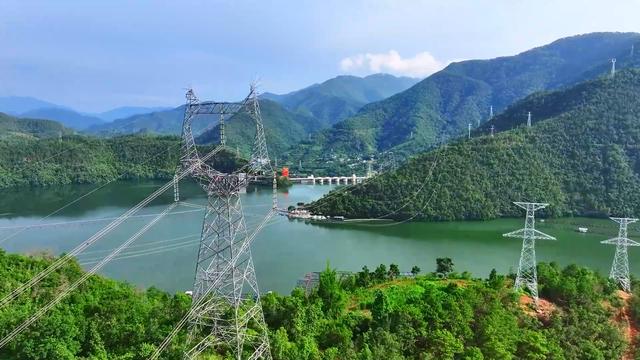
(623, 317)
(543, 311)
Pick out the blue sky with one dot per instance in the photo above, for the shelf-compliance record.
(95, 55)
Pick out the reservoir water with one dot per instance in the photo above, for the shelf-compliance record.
(285, 249)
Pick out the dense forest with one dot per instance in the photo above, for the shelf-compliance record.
(440, 106)
(80, 159)
(372, 314)
(30, 128)
(580, 155)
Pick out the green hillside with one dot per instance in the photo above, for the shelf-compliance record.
(282, 129)
(80, 159)
(580, 156)
(369, 315)
(442, 105)
(342, 96)
(12, 126)
(168, 122)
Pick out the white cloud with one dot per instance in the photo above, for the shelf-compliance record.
(422, 64)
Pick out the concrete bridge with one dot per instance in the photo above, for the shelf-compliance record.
(353, 179)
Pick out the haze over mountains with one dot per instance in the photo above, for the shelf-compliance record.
(29, 107)
(442, 105)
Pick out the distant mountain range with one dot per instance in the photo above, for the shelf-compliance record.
(320, 105)
(29, 107)
(442, 105)
(580, 155)
(342, 96)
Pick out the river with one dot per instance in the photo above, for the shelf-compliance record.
(285, 250)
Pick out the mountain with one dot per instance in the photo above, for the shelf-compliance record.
(128, 111)
(580, 156)
(12, 126)
(342, 96)
(442, 105)
(17, 105)
(159, 122)
(282, 128)
(67, 117)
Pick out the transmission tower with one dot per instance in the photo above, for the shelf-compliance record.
(529, 119)
(259, 163)
(226, 299)
(527, 274)
(620, 268)
(613, 67)
(492, 130)
(469, 131)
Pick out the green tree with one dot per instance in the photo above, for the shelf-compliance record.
(444, 265)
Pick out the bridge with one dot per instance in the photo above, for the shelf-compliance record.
(353, 179)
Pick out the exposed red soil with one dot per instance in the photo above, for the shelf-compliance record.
(543, 311)
(623, 316)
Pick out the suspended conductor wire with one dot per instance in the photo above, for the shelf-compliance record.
(11, 236)
(202, 300)
(97, 236)
(7, 339)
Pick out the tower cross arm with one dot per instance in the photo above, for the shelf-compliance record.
(538, 235)
(531, 206)
(620, 241)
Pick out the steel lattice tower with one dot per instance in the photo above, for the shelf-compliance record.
(620, 267)
(527, 274)
(259, 163)
(225, 289)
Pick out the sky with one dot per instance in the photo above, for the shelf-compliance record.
(96, 55)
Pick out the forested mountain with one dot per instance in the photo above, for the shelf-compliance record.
(369, 315)
(67, 117)
(581, 156)
(282, 129)
(16, 105)
(168, 122)
(342, 96)
(82, 159)
(128, 111)
(444, 104)
(11, 126)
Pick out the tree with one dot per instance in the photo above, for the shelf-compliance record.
(380, 309)
(415, 270)
(444, 265)
(394, 271)
(332, 295)
(380, 274)
(363, 278)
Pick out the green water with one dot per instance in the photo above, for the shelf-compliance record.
(285, 250)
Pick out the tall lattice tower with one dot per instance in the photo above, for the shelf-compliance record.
(613, 67)
(226, 304)
(620, 268)
(259, 163)
(527, 273)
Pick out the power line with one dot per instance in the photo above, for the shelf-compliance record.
(97, 236)
(8, 338)
(89, 193)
